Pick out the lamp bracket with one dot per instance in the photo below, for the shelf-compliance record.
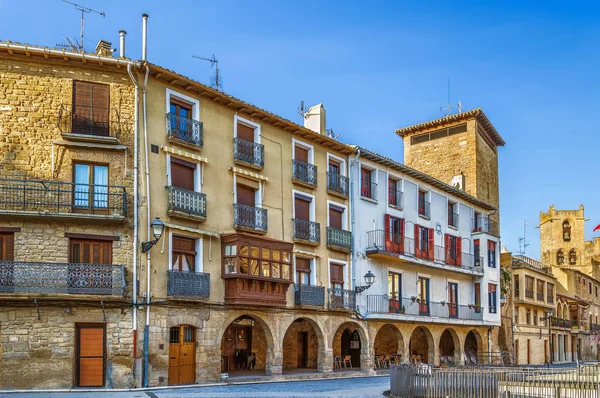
(148, 245)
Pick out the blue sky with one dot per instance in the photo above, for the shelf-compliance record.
(531, 65)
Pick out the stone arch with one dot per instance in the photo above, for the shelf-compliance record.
(474, 345)
(388, 340)
(361, 357)
(421, 343)
(270, 361)
(573, 256)
(566, 230)
(450, 347)
(560, 257)
(315, 353)
(184, 319)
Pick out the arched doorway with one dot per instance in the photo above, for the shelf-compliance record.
(472, 348)
(301, 345)
(182, 354)
(348, 341)
(421, 345)
(388, 341)
(449, 349)
(244, 346)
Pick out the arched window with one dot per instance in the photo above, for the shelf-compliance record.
(572, 257)
(566, 231)
(560, 257)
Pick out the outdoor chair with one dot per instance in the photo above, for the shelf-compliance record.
(347, 361)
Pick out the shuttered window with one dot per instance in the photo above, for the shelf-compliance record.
(84, 251)
(182, 174)
(183, 254)
(336, 274)
(303, 270)
(245, 132)
(91, 108)
(302, 207)
(245, 195)
(7, 246)
(335, 216)
(301, 153)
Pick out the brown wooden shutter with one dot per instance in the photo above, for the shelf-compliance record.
(301, 153)
(244, 132)
(82, 107)
(7, 247)
(91, 252)
(458, 251)
(336, 272)
(302, 207)
(447, 247)
(335, 216)
(246, 195)
(100, 109)
(388, 232)
(182, 174)
(334, 167)
(303, 264)
(430, 244)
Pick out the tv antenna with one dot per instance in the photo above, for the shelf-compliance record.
(215, 81)
(302, 109)
(84, 10)
(330, 134)
(72, 43)
(449, 107)
(523, 241)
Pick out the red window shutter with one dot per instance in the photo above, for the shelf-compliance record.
(458, 251)
(430, 242)
(402, 235)
(447, 247)
(417, 248)
(387, 221)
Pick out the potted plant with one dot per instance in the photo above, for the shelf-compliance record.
(413, 298)
(443, 303)
(403, 310)
(418, 301)
(470, 306)
(477, 307)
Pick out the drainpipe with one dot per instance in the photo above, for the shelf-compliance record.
(148, 233)
(353, 219)
(135, 212)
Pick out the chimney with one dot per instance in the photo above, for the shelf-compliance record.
(314, 119)
(104, 48)
(144, 35)
(122, 34)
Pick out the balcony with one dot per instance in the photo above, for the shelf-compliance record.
(560, 323)
(308, 232)
(251, 219)
(342, 299)
(453, 220)
(86, 123)
(188, 284)
(38, 198)
(339, 239)
(396, 199)
(595, 327)
(368, 189)
(424, 209)
(304, 173)
(248, 153)
(182, 130)
(403, 249)
(186, 204)
(550, 299)
(483, 223)
(539, 296)
(529, 294)
(309, 295)
(29, 277)
(337, 184)
(382, 304)
(579, 325)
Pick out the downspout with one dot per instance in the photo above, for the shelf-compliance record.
(135, 212)
(353, 219)
(148, 234)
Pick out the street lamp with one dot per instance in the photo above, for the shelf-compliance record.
(157, 230)
(549, 318)
(369, 280)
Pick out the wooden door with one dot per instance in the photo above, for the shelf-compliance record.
(452, 300)
(7, 247)
(528, 352)
(182, 355)
(182, 174)
(546, 351)
(302, 349)
(335, 216)
(91, 355)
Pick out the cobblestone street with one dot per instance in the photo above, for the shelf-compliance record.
(367, 387)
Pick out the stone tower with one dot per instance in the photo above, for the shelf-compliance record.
(461, 150)
(562, 239)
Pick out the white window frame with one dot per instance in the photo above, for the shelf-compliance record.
(313, 270)
(398, 179)
(199, 265)
(313, 204)
(185, 98)
(302, 144)
(338, 159)
(258, 195)
(248, 123)
(197, 173)
(345, 271)
(344, 214)
(374, 172)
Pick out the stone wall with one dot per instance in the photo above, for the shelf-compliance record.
(290, 345)
(537, 350)
(386, 341)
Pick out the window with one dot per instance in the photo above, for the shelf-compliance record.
(540, 290)
(91, 186)
(336, 275)
(566, 231)
(527, 316)
(303, 169)
(492, 299)
(423, 204)
(491, 254)
(589, 288)
(180, 117)
(560, 257)
(478, 297)
(535, 317)
(394, 291)
(394, 234)
(596, 291)
(302, 207)
(87, 251)
(246, 195)
(303, 271)
(255, 258)
(517, 287)
(453, 250)
(453, 300)
(424, 242)
(477, 222)
(516, 315)
(183, 174)
(91, 108)
(7, 246)
(247, 147)
(452, 214)
(183, 254)
(423, 295)
(529, 287)
(477, 253)
(336, 216)
(550, 292)
(572, 257)
(304, 226)
(367, 187)
(394, 194)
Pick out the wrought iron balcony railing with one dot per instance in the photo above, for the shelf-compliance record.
(40, 198)
(424, 208)
(308, 231)
(539, 296)
(188, 130)
(303, 172)
(309, 295)
(342, 298)
(248, 152)
(550, 299)
(338, 184)
(560, 323)
(187, 203)
(188, 284)
(30, 277)
(396, 199)
(339, 239)
(368, 189)
(482, 223)
(88, 120)
(248, 217)
(529, 294)
(383, 304)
